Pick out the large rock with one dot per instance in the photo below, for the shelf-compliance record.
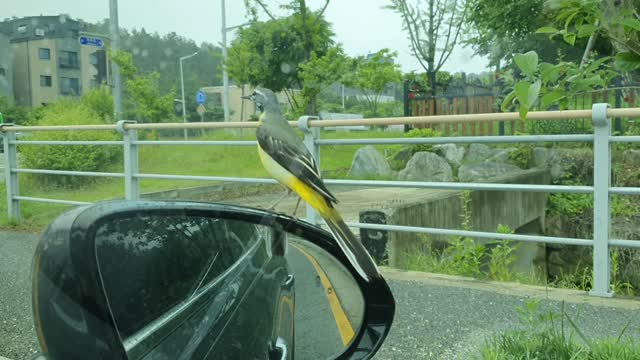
(502, 156)
(484, 171)
(426, 166)
(477, 153)
(369, 162)
(451, 152)
(631, 157)
(574, 163)
(540, 157)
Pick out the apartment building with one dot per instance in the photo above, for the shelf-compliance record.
(53, 58)
(6, 66)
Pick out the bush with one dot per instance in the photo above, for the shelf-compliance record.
(424, 133)
(522, 156)
(77, 158)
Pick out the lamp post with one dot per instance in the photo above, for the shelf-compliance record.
(184, 106)
(115, 46)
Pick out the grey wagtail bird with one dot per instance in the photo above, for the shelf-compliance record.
(287, 159)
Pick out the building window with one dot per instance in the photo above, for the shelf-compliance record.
(69, 59)
(44, 53)
(3, 72)
(22, 28)
(45, 80)
(93, 58)
(69, 86)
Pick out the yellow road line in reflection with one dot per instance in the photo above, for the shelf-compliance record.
(342, 321)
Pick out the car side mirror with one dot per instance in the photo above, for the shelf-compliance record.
(184, 280)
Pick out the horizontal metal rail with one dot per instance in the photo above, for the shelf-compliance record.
(625, 243)
(59, 142)
(52, 201)
(207, 178)
(67, 172)
(459, 140)
(624, 139)
(197, 142)
(412, 120)
(475, 234)
(464, 186)
(625, 190)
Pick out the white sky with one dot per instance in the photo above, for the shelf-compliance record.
(362, 26)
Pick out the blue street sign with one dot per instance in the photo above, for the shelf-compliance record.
(201, 97)
(89, 41)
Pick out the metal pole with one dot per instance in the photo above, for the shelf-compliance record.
(343, 107)
(131, 183)
(310, 136)
(601, 210)
(115, 46)
(225, 75)
(184, 107)
(11, 177)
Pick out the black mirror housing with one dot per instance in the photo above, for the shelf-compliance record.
(70, 305)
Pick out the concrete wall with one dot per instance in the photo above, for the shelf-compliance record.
(6, 66)
(489, 209)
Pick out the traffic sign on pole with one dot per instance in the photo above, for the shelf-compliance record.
(201, 97)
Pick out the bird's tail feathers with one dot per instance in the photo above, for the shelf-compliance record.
(351, 245)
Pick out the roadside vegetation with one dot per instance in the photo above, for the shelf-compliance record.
(553, 334)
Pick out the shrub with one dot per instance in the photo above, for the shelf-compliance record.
(65, 157)
(522, 156)
(423, 133)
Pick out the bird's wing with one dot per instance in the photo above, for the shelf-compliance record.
(296, 159)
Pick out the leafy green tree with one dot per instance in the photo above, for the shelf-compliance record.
(372, 75)
(277, 48)
(100, 101)
(14, 113)
(145, 99)
(498, 29)
(433, 28)
(320, 72)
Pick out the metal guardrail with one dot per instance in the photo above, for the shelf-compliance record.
(600, 114)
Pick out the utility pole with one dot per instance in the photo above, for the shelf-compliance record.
(115, 46)
(225, 75)
(184, 106)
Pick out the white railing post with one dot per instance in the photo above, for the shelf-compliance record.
(601, 210)
(11, 177)
(310, 137)
(131, 183)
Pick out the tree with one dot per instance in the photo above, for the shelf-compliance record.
(145, 98)
(433, 32)
(498, 29)
(372, 75)
(280, 45)
(320, 72)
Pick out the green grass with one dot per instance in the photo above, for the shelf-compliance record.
(239, 161)
(555, 335)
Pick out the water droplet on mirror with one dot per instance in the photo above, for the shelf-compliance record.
(286, 68)
(163, 65)
(135, 51)
(145, 53)
(168, 52)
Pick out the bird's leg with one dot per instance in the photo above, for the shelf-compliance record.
(296, 208)
(287, 193)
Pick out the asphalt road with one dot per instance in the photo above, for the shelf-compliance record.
(434, 320)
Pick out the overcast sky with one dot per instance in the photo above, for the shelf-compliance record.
(362, 26)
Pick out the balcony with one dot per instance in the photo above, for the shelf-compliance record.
(66, 63)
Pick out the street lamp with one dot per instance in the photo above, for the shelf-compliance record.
(184, 106)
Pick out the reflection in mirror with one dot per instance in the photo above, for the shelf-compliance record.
(329, 305)
(195, 287)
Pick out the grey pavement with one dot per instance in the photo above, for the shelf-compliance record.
(437, 317)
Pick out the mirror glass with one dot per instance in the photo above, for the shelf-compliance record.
(196, 287)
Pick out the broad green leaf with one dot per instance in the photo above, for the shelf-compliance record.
(508, 101)
(534, 91)
(569, 38)
(527, 62)
(551, 98)
(547, 30)
(627, 61)
(522, 93)
(549, 73)
(631, 23)
(596, 64)
(586, 30)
